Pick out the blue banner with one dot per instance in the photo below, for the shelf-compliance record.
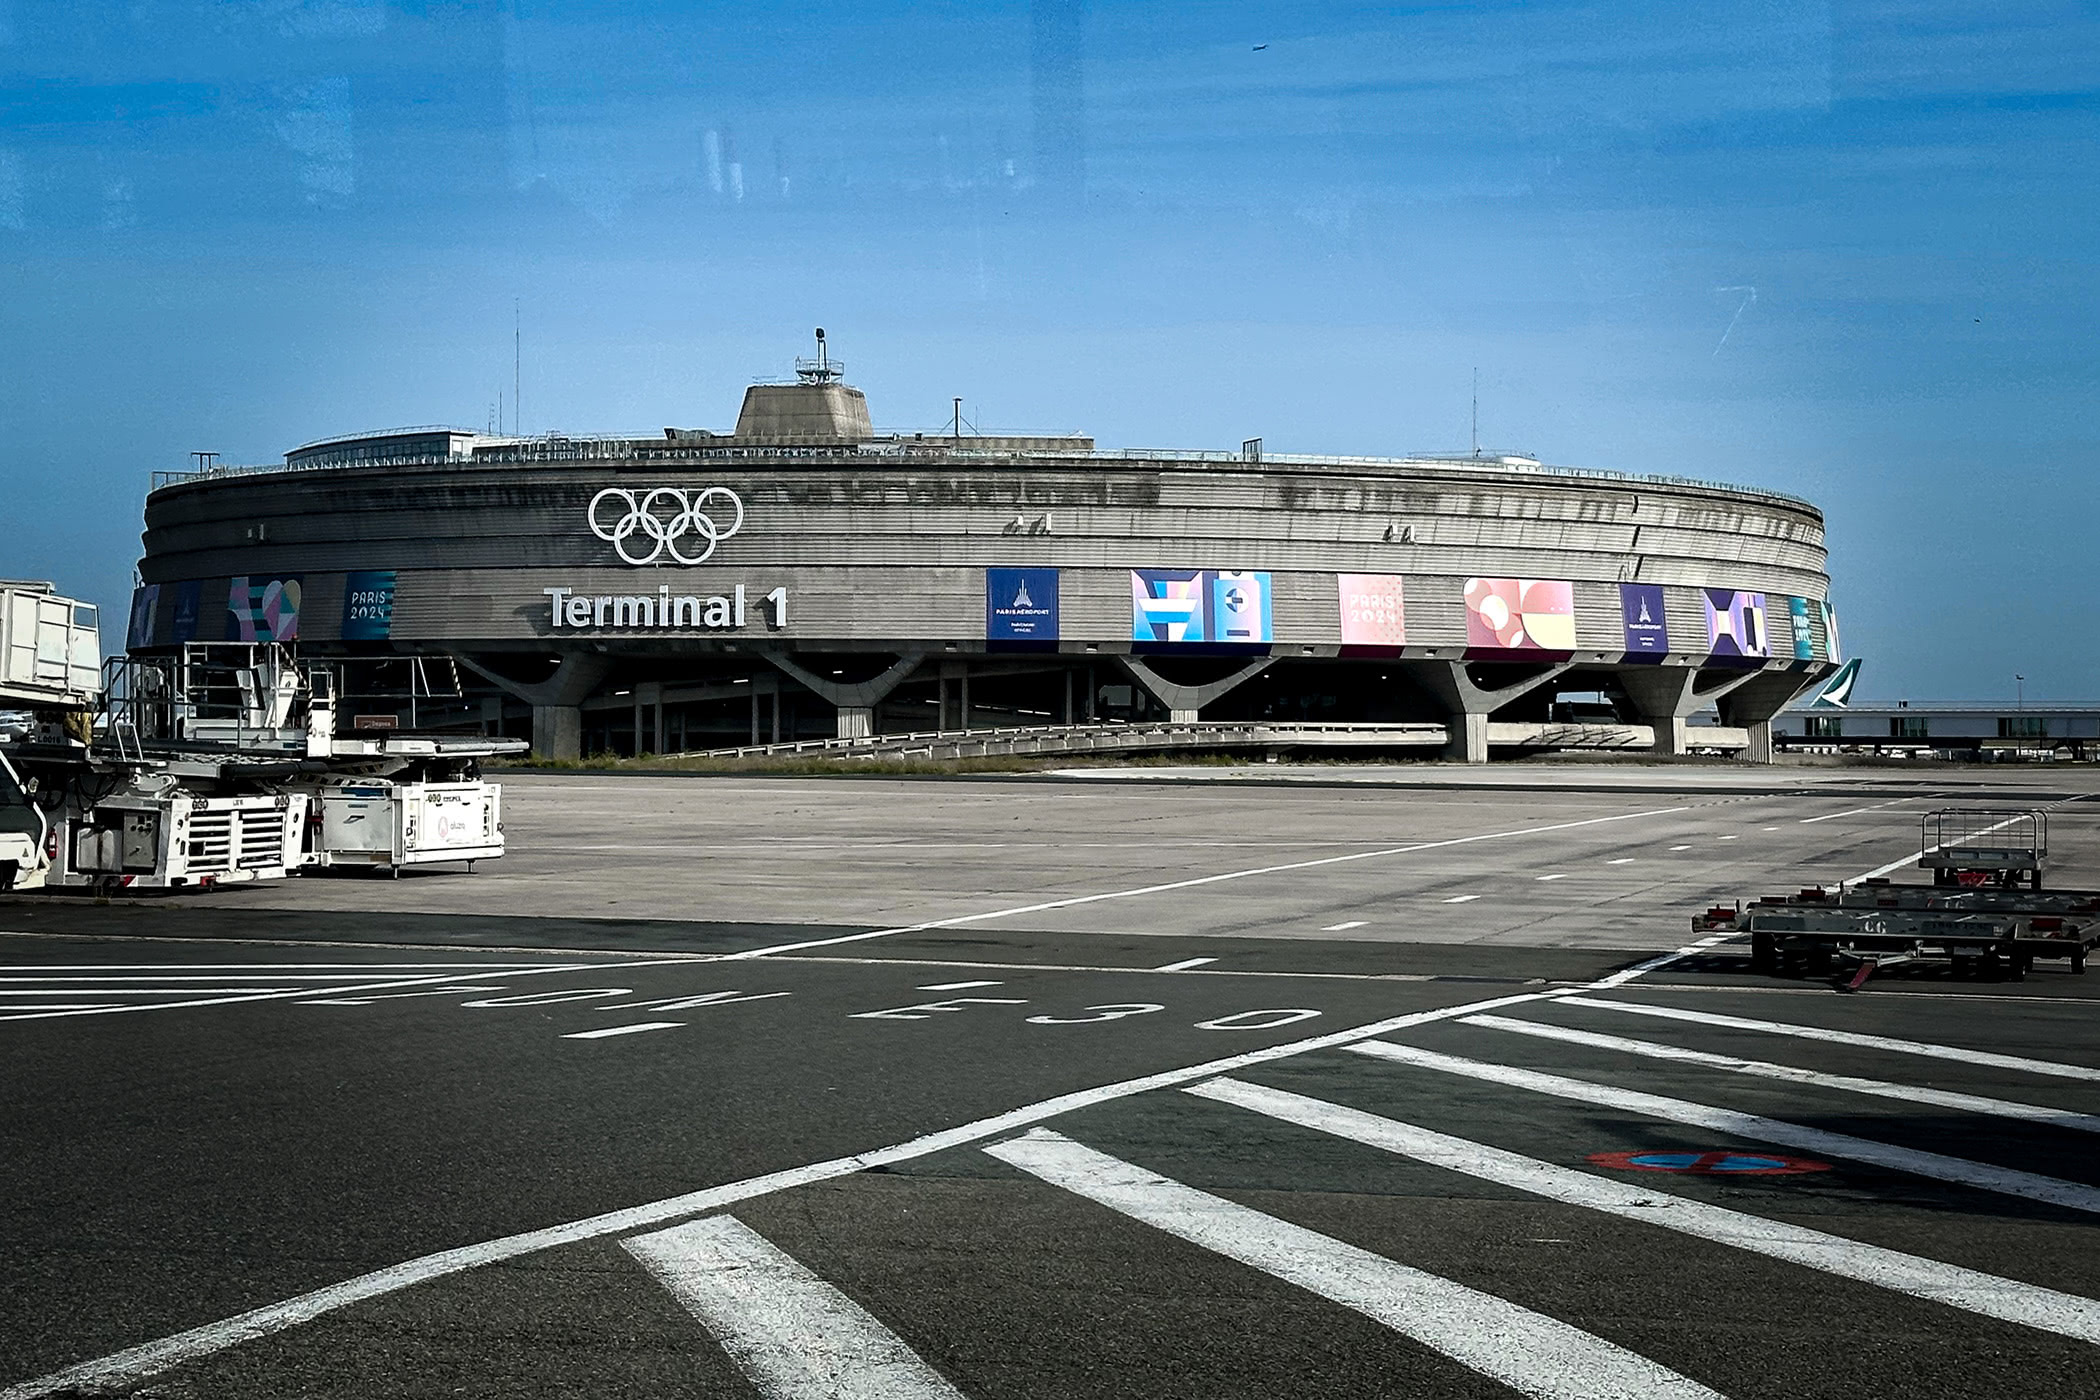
(1020, 605)
(189, 602)
(1647, 630)
(368, 606)
(145, 617)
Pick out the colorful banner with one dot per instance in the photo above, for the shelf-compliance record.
(189, 605)
(368, 605)
(264, 612)
(1199, 605)
(1830, 632)
(1374, 611)
(145, 616)
(1647, 629)
(1020, 605)
(1520, 614)
(1804, 638)
(1735, 623)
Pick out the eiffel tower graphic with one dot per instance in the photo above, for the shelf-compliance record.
(1021, 599)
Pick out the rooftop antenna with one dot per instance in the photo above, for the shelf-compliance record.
(823, 369)
(958, 415)
(1476, 410)
(517, 368)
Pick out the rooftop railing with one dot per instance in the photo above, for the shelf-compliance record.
(557, 448)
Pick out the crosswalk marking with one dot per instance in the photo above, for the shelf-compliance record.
(1987, 1294)
(1533, 1354)
(794, 1336)
(1765, 1069)
(1823, 1143)
(1854, 1038)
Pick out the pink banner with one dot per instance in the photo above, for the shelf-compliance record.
(1373, 611)
(1520, 614)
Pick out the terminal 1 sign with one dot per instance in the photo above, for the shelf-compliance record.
(570, 610)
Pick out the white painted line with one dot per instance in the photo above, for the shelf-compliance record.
(1462, 899)
(794, 1336)
(1856, 811)
(1867, 1042)
(103, 991)
(957, 986)
(1561, 876)
(1642, 969)
(1529, 1352)
(261, 969)
(151, 1358)
(1186, 963)
(1982, 1175)
(62, 1006)
(1622, 860)
(624, 1030)
(1724, 838)
(1765, 1069)
(355, 986)
(1347, 924)
(1768, 828)
(1987, 1294)
(1198, 881)
(1680, 848)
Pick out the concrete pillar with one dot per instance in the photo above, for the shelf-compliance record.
(1760, 750)
(557, 731)
(856, 721)
(1469, 737)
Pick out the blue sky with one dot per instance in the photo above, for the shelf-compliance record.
(1844, 250)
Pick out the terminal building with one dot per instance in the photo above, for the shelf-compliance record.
(804, 575)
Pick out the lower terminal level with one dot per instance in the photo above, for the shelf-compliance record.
(577, 703)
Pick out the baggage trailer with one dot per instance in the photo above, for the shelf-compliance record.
(1979, 845)
(1873, 925)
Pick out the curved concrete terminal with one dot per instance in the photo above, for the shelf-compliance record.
(804, 576)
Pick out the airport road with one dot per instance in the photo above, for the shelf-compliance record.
(347, 1139)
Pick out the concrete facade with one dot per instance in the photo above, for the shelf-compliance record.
(842, 585)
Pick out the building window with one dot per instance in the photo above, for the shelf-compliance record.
(1907, 726)
(2022, 727)
(1824, 727)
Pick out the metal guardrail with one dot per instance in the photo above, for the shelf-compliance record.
(1096, 738)
(621, 449)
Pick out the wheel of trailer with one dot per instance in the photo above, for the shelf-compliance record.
(2078, 959)
(1764, 954)
(2017, 968)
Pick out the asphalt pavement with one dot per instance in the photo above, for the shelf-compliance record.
(1040, 1089)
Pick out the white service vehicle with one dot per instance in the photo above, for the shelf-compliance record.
(215, 763)
(375, 822)
(23, 832)
(174, 839)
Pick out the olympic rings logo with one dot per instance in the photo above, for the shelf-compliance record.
(663, 517)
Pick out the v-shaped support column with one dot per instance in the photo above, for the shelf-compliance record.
(1468, 703)
(856, 702)
(557, 713)
(1185, 702)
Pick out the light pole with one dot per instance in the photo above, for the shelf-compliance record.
(2021, 682)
